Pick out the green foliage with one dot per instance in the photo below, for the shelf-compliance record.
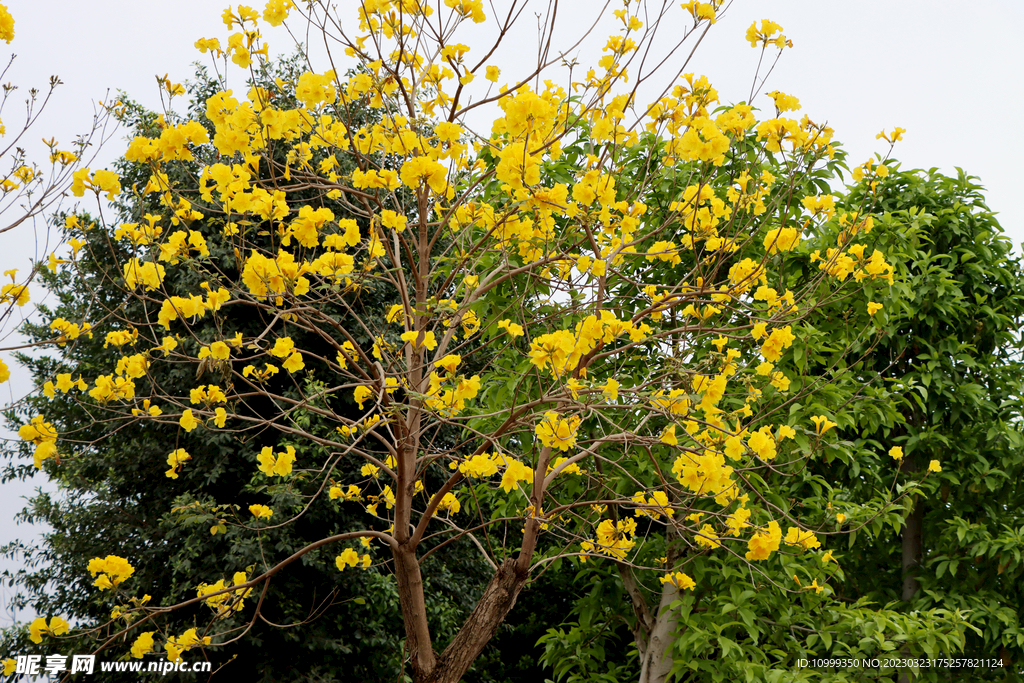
(951, 347)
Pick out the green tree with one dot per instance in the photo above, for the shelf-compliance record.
(951, 346)
(847, 488)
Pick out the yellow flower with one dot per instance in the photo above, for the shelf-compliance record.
(261, 511)
(804, 539)
(7, 34)
(283, 347)
(934, 466)
(420, 339)
(556, 432)
(38, 628)
(143, 644)
(763, 543)
(395, 314)
(176, 460)
(896, 453)
(610, 390)
(361, 394)
(450, 503)
(450, 362)
(279, 466)
(822, 424)
(874, 308)
(669, 436)
(349, 558)
(294, 363)
(512, 328)
(112, 570)
(781, 239)
(188, 421)
(679, 580)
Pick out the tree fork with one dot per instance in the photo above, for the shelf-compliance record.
(497, 601)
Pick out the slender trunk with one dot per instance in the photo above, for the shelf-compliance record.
(644, 618)
(657, 662)
(912, 551)
(654, 630)
(911, 557)
(414, 614)
(494, 605)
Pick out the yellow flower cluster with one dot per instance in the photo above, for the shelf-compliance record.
(6, 32)
(614, 539)
(183, 643)
(261, 511)
(555, 432)
(655, 505)
(763, 543)
(232, 601)
(64, 384)
(679, 580)
(112, 571)
(450, 401)
(176, 460)
(38, 628)
(279, 465)
(706, 474)
(350, 558)
(805, 539)
(69, 331)
(43, 435)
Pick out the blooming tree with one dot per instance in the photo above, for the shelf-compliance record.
(589, 352)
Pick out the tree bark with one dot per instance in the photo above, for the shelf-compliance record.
(498, 599)
(657, 660)
(911, 560)
(912, 551)
(414, 613)
(656, 657)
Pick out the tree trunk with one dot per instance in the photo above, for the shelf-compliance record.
(414, 613)
(911, 559)
(654, 630)
(912, 551)
(498, 599)
(657, 662)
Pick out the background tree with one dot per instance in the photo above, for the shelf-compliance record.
(848, 342)
(598, 279)
(951, 343)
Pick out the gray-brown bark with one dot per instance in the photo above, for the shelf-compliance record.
(911, 556)
(498, 599)
(414, 614)
(912, 551)
(657, 662)
(654, 628)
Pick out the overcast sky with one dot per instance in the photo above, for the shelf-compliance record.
(948, 72)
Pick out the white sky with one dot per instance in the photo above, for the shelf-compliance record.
(949, 72)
